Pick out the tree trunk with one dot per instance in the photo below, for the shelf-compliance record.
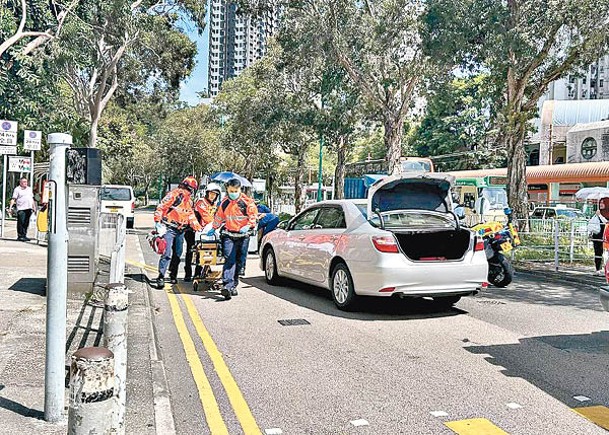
(339, 173)
(393, 142)
(93, 132)
(299, 192)
(516, 174)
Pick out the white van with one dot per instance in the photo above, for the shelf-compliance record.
(120, 200)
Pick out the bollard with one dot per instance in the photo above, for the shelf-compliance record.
(115, 339)
(91, 392)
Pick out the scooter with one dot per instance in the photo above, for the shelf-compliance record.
(499, 239)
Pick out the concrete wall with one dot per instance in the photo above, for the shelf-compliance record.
(596, 136)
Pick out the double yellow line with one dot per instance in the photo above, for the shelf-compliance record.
(208, 399)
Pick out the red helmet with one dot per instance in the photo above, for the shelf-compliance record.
(190, 183)
(157, 243)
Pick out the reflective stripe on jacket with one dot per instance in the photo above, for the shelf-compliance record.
(236, 214)
(176, 210)
(205, 210)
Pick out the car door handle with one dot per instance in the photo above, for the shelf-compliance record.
(300, 238)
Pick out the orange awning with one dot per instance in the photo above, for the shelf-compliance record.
(567, 173)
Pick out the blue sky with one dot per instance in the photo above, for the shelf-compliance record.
(198, 79)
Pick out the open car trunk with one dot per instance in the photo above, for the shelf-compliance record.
(434, 246)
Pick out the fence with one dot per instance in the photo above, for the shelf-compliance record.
(560, 241)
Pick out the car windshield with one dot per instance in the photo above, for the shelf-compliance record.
(416, 166)
(496, 196)
(413, 219)
(115, 194)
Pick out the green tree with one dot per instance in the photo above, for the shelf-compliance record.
(524, 45)
(458, 124)
(378, 44)
(25, 26)
(135, 43)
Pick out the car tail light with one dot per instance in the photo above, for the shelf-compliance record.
(387, 290)
(133, 206)
(479, 246)
(386, 244)
(607, 272)
(484, 285)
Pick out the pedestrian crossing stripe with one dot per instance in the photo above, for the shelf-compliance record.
(598, 415)
(474, 426)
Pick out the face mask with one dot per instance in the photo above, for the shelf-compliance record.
(234, 195)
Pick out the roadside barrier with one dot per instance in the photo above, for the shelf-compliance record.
(559, 241)
(91, 392)
(116, 309)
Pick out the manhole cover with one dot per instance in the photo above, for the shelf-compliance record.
(293, 322)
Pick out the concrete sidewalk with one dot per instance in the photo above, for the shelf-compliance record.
(22, 342)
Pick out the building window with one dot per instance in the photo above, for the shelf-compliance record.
(601, 82)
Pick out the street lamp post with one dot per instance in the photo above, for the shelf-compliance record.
(320, 178)
(320, 173)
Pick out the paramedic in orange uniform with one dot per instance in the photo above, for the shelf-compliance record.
(172, 216)
(237, 213)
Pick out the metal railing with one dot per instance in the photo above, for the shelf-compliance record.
(559, 241)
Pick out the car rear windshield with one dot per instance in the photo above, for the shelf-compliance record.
(115, 194)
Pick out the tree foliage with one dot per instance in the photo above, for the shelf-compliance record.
(524, 45)
(459, 124)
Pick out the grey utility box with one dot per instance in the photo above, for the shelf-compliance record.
(83, 215)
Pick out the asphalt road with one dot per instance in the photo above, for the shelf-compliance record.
(516, 357)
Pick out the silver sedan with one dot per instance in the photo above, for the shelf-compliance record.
(403, 241)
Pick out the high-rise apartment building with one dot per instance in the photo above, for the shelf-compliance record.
(591, 83)
(235, 41)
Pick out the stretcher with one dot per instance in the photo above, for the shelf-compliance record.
(207, 256)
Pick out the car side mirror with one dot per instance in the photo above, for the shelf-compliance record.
(283, 225)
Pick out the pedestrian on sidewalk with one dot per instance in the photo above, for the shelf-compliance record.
(237, 215)
(23, 198)
(596, 229)
(172, 216)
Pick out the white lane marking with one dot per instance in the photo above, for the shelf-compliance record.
(439, 413)
(273, 431)
(582, 398)
(360, 422)
(514, 405)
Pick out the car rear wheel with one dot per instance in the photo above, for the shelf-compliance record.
(341, 285)
(270, 267)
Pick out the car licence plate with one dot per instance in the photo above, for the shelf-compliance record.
(113, 209)
(506, 247)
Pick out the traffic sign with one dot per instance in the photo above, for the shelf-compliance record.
(32, 140)
(4, 149)
(19, 164)
(8, 133)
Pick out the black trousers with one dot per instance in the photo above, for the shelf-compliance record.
(598, 254)
(23, 222)
(189, 238)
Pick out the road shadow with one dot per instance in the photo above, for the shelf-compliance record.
(560, 365)
(34, 286)
(18, 408)
(533, 289)
(370, 308)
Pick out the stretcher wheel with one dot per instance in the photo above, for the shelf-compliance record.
(195, 286)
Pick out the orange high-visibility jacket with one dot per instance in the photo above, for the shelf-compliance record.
(236, 214)
(205, 211)
(176, 210)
